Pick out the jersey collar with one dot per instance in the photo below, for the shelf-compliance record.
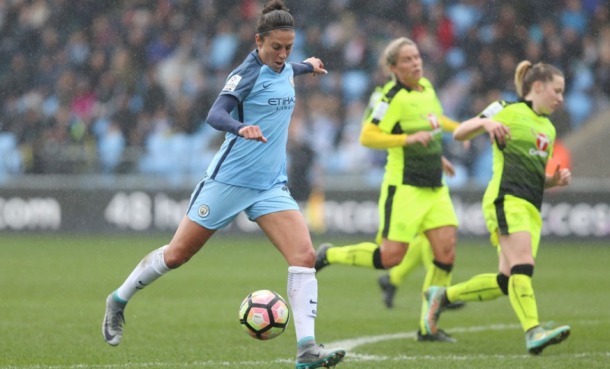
(254, 54)
(530, 104)
(409, 89)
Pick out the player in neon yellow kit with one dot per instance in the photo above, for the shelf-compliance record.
(408, 122)
(419, 252)
(522, 138)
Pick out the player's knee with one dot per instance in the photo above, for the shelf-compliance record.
(307, 258)
(175, 257)
(452, 240)
(304, 256)
(446, 256)
(388, 258)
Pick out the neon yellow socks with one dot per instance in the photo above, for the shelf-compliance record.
(521, 295)
(360, 254)
(482, 287)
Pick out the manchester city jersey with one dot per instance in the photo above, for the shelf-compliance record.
(266, 99)
(519, 167)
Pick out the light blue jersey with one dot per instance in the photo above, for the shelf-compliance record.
(266, 99)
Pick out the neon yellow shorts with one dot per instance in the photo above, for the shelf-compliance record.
(406, 210)
(512, 215)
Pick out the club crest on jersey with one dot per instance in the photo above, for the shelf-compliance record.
(542, 144)
(291, 80)
(542, 141)
(204, 211)
(434, 123)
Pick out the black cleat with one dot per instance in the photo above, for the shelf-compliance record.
(440, 336)
(455, 305)
(321, 260)
(388, 290)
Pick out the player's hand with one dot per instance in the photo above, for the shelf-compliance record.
(422, 137)
(561, 177)
(497, 132)
(448, 168)
(318, 66)
(252, 133)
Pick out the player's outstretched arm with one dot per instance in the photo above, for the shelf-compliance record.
(473, 127)
(318, 66)
(449, 125)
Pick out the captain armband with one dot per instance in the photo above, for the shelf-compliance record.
(492, 110)
(379, 112)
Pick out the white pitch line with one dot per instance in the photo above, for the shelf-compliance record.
(348, 344)
(194, 364)
(378, 358)
(350, 357)
(352, 343)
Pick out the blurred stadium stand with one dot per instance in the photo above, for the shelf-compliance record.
(123, 87)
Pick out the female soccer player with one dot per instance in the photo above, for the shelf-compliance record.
(248, 174)
(407, 121)
(419, 252)
(522, 137)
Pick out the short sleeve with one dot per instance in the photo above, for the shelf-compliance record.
(241, 81)
(385, 115)
(493, 109)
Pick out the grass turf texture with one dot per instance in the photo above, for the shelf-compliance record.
(53, 291)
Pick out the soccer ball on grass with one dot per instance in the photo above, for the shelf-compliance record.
(264, 314)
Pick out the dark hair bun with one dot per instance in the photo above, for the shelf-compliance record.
(274, 5)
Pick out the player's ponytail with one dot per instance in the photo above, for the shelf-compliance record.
(274, 16)
(526, 75)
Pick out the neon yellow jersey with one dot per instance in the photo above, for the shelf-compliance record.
(519, 167)
(404, 111)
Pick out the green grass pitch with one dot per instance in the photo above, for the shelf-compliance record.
(53, 290)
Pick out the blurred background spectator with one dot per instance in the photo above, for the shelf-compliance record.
(124, 87)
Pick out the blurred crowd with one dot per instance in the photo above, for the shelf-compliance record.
(113, 86)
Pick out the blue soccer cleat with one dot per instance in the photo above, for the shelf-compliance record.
(435, 296)
(536, 339)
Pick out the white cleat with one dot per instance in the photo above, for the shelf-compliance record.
(113, 321)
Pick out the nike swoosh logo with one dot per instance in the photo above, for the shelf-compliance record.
(265, 86)
(313, 302)
(141, 284)
(541, 337)
(107, 335)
